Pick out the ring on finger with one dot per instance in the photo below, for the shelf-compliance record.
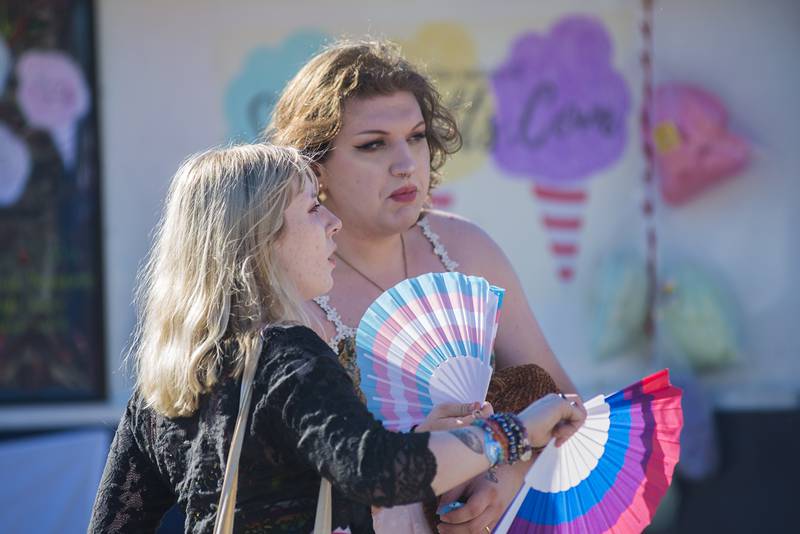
(487, 529)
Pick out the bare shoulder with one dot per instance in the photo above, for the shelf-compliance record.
(452, 227)
(466, 242)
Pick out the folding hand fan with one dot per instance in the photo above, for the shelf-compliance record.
(612, 473)
(425, 341)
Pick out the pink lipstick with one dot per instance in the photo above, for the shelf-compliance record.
(404, 194)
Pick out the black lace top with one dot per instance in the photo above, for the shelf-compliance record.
(305, 420)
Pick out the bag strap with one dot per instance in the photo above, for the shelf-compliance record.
(323, 521)
(227, 498)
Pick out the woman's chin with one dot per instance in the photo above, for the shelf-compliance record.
(404, 218)
(323, 288)
(328, 285)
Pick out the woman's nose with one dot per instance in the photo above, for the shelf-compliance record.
(403, 164)
(334, 223)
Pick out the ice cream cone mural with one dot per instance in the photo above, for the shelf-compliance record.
(449, 54)
(252, 94)
(561, 208)
(561, 117)
(53, 95)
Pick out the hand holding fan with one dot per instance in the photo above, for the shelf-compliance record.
(612, 473)
(426, 341)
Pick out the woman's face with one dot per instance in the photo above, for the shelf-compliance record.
(305, 247)
(377, 174)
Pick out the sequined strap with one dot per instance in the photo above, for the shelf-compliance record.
(342, 330)
(438, 247)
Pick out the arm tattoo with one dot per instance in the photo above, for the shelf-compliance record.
(469, 439)
(491, 475)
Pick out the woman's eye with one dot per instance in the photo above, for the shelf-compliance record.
(419, 136)
(315, 208)
(372, 145)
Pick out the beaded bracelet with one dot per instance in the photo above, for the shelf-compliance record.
(519, 448)
(499, 434)
(505, 438)
(526, 451)
(492, 448)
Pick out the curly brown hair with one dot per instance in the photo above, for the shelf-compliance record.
(309, 112)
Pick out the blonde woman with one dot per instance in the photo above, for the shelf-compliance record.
(242, 244)
(379, 135)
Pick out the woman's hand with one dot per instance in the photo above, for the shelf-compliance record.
(447, 416)
(552, 416)
(488, 495)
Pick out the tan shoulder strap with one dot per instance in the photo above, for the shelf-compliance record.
(227, 498)
(322, 524)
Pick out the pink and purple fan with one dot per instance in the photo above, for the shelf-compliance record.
(425, 341)
(612, 473)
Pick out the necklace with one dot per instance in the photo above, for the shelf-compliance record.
(370, 280)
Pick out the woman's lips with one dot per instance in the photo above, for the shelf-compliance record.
(404, 194)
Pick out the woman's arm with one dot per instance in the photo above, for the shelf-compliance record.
(131, 497)
(519, 337)
(307, 397)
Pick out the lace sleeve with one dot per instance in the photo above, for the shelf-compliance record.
(307, 392)
(132, 496)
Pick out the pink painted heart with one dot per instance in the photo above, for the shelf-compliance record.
(694, 150)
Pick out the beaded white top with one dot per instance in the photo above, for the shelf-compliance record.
(332, 314)
(438, 248)
(344, 331)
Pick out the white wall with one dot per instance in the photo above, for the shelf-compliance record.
(165, 67)
(747, 53)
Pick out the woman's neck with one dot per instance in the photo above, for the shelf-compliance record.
(378, 252)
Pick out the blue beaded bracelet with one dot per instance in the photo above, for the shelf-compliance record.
(491, 447)
(516, 438)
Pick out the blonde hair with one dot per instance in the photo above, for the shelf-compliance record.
(211, 281)
(309, 111)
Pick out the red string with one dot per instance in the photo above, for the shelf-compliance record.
(649, 201)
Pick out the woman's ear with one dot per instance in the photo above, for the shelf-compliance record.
(317, 169)
(322, 179)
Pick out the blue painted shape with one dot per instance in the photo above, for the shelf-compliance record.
(252, 94)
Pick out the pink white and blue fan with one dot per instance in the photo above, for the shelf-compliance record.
(612, 473)
(425, 341)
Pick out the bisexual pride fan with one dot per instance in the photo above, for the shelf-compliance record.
(612, 473)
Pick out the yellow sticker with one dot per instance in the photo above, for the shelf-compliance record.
(666, 137)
